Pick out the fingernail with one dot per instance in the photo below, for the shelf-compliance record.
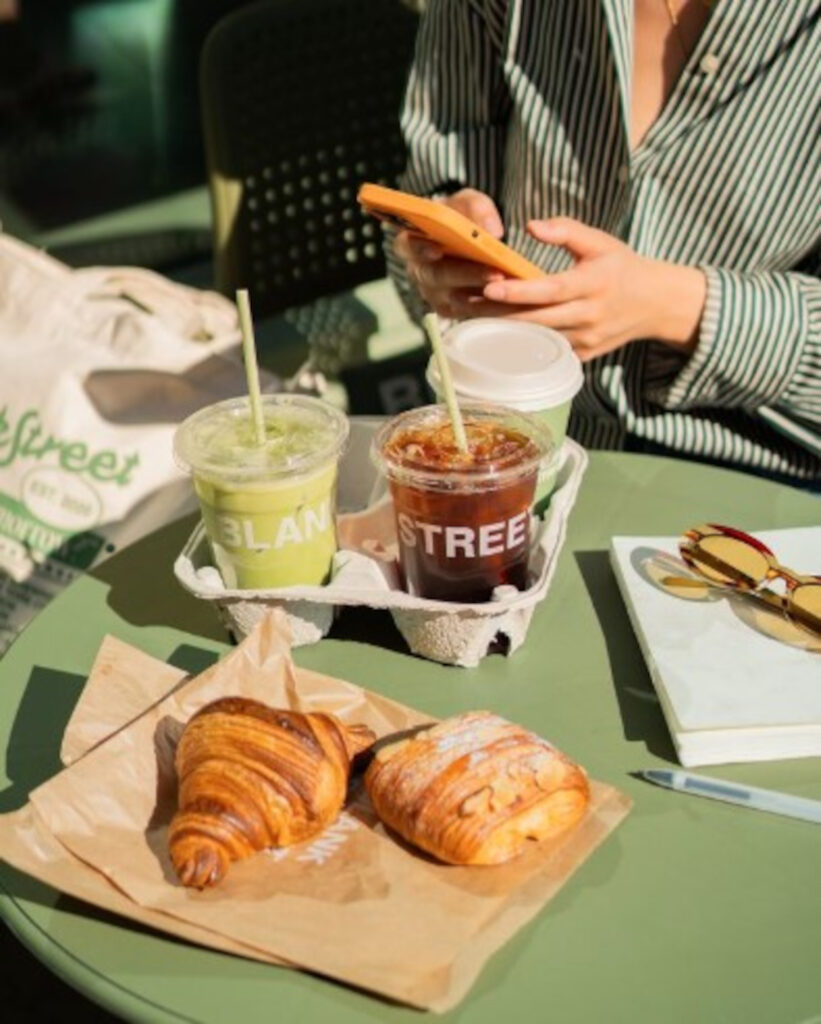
(496, 291)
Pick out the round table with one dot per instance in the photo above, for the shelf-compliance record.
(691, 910)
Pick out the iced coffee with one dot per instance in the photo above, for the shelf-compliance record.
(462, 517)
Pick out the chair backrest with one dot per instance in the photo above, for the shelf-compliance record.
(300, 102)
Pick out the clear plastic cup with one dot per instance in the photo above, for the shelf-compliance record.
(523, 366)
(462, 519)
(268, 510)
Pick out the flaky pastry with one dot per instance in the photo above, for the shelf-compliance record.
(252, 777)
(475, 788)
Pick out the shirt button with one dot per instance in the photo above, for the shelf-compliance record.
(710, 63)
(624, 174)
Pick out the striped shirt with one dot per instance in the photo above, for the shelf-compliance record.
(529, 101)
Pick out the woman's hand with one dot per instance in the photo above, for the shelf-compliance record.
(449, 286)
(608, 298)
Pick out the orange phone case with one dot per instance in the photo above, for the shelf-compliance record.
(457, 235)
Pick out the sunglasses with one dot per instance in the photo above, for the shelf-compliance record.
(727, 557)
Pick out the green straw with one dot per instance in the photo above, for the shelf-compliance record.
(432, 327)
(249, 355)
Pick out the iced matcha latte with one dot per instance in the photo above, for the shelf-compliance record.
(268, 509)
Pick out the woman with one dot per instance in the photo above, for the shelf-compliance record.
(662, 161)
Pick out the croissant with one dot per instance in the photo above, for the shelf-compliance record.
(251, 777)
(475, 788)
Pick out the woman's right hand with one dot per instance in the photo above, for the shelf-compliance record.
(449, 285)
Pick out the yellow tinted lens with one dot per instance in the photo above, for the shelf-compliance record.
(730, 561)
(805, 606)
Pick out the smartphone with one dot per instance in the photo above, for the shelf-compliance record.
(438, 223)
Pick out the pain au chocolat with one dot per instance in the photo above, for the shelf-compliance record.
(252, 777)
(475, 788)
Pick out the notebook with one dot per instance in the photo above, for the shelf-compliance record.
(736, 680)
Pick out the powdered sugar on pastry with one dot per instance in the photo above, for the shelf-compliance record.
(475, 788)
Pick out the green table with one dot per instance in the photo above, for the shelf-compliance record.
(692, 911)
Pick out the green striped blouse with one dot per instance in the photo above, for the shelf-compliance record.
(529, 100)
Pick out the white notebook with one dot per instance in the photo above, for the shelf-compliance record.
(736, 681)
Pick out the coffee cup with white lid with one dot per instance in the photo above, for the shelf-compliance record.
(521, 365)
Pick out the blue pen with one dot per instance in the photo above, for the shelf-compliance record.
(746, 796)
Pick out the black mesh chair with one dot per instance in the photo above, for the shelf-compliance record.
(300, 102)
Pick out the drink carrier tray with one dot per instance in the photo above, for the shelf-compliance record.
(365, 572)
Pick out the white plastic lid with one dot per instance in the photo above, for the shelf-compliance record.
(521, 365)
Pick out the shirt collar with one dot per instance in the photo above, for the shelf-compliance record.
(740, 40)
(619, 15)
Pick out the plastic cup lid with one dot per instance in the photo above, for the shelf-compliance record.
(510, 362)
(302, 435)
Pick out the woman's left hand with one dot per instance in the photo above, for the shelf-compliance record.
(608, 298)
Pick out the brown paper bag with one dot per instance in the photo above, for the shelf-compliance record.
(29, 846)
(336, 900)
(123, 684)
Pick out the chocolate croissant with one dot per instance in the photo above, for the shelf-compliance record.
(475, 788)
(251, 777)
